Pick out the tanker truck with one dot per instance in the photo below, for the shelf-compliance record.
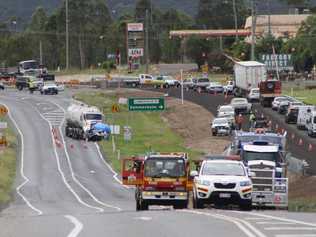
(86, 122)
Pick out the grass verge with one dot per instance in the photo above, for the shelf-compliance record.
(307, 96)
(8, 167)
(302, 205)
(149, 131)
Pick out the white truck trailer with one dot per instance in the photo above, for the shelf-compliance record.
(248, 75)
(85, 122)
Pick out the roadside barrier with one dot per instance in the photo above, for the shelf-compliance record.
(297, 166)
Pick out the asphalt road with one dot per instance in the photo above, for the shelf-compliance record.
(65, 188)
(211, 103)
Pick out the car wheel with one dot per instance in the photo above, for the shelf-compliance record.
(247, 206)
(198, 204)
(134, 85)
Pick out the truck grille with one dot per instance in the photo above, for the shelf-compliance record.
(224, 186)
(263, 181)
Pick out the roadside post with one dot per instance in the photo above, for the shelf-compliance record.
(181, 74)
(3, 127)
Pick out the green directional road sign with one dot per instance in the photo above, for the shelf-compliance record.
(146, 104)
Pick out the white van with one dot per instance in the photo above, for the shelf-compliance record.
(311, 124)
(303, 115)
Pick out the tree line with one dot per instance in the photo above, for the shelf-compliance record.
(95, 32)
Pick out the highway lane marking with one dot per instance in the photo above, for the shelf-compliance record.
(78, 226)
(60, 170)
(278, 218)
(273, 223)
(26, 180)
(72, 171)
(241, 224)
(290, 228)
(255, 218)
(143, 218)
(115, 175)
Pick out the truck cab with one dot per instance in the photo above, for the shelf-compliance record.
(160, 179)
(269, 89)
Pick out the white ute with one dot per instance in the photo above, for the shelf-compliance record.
(222, 182)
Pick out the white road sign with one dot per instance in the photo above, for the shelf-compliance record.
(136, 52)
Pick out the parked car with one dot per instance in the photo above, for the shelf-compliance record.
(241, 105)
(49, 88)
(254, 95)
(1, 85)
(215, 87)
(222, 182)
(200, 84)
(221, 126)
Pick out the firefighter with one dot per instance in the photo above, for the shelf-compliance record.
(239, 121)
(32, 86)
(252, 119)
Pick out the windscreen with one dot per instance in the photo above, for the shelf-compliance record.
(93, 117)
(231, 169)
(226, 109)
(164, 167)
(204, 80)
(270, 156)
(30, 65)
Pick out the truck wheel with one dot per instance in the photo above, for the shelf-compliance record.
(247, 206)
(133, 84)
(141, 205)
(182, 205)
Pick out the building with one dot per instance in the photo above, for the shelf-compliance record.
(280, 25)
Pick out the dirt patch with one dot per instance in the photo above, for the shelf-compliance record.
(302, 187)
(190, 121)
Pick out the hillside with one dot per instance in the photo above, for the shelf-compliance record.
(23, 9)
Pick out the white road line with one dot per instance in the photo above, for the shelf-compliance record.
(235, 221)
(62, 173)
(273, 223)
(290, 228)
(78, 226)
(115, 175)
(71, 169)
(26, 180)
(278, 218)
(255, 218)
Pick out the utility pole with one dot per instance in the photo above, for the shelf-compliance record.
(253, 29)
(41, 52)
(147, 42)
(67, 36)
(236, 20)
(269, 17)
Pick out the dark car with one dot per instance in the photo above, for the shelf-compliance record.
(291, 115)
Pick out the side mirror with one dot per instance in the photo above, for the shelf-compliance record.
(194, 173)
(251, 174)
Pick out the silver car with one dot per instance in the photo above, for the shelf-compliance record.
(241, 105)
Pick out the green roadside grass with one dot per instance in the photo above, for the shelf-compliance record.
(8, 167)
(305, 95)
(302, 204)
(149, 131)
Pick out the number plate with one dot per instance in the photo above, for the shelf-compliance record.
(225, 195)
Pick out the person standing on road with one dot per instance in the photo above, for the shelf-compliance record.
(31, 86)
(252, 119)
(239, 121)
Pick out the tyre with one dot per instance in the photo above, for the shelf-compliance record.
(247, 206)
(141, 205)
(133, 84)
(182, 205)
(214, 134)
(197, 203)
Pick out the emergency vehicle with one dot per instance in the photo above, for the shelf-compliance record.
(159, 178)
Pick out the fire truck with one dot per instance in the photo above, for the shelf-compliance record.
(159, 178)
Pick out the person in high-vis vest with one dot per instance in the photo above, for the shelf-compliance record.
(32, 86)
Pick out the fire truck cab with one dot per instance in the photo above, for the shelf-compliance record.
(159, 178)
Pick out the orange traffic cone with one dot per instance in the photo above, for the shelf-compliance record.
(300, 142)
(310, 147)
(293, 136)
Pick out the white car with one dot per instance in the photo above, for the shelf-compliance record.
(169, 81)
(221, 126)
(60, 87)
(277, 101)
(254, 95)
(222, 182)
(229, 88)
(188, 83)
(215, 87)
(241, 105)
(225, 110)
(49, 88)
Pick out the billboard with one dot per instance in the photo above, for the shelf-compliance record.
(135, 27)
(284, 61)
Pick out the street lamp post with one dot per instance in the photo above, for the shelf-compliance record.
(67, 36)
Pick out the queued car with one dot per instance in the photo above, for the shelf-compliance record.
(60, 87)
(1, 85)
(215, 87)
(225, 110)
(291, 115)
(277, 101)
(200, 84)
(241, 105)
(49, 88)
(188, 83)
(222, 182)
(254, 95)
(229, 87)
(221, 126)
(169, 81)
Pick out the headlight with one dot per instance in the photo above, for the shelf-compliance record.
(245, 183)
(204, 182)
